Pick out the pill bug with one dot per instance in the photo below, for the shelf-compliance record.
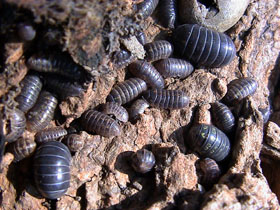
(209, 141)
(166, 99)
(142, 161)
(202, 46)
(157, 50)
(42, 112)
(51, 168)
(223, 117)
(266, 112)
(74, 142)
(141, 37)
(211, 171)
(94, 121)
(31, 86)
(26, 31)
(127, 90)
(22, 148)
(122, 57)
(240, 88)
(168, 15)
(145, 9)
(173, 67)
(117, 110)
(147, 72)
(50, 134)
(138, 107)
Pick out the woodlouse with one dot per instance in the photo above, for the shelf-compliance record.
(122, 57)
(172, 67)
(52, 169)
(147, 72)
(22, 148)
(203, 46)
(145, 9)
(127, 90)
(42, 112)
(209, 141)
(50, 134)
(31, 86)
(157, 50)
(266, 112)
(138, 107)
(26, 31)
(143, 161)
(211, 171)
(117, 110)
(74, 142)
(166, 99)
(141, 37)
(94, 121)
(168, 13)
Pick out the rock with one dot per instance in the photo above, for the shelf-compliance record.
(273, 135)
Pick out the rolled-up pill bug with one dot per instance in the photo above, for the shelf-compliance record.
(145, 9)
(50, 134)
(26, 31)
(117, 110)
(52, 169)
(240, 88)
(209, 141)
(122, 57)
(168, 13)
(211, 171)
(141, 37)
(74, 142)
(94, 121)
(203, 46)
(138, 107)
(42, 112)
(166, 99)
(126, 91)
(31, 86)
(157, 50)
(223, 117)
(173, 67)
(143, 161)
(147, 72)
(22, 148)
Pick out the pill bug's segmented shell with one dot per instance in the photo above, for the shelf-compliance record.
(203, 46)
(168, 13)
(117, 110)
(143, 161)
(74, 142)
(94, 121)
(26, 31)
(31, 86)
(141, 37)
(42, 112)
(166, 99)
(22, 148)
(172, 67)
(223, 117)
(138, 107)
(144, 70)
(211, 171)
(209, 141)
(52, 169)
(50, 134)
(122, 58)
(127, 90)
(146, 8)
(157, 50)
(240, 88)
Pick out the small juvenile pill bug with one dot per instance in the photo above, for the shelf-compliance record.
(22, 148)
(157, 50)
(141, 37)
(223, 117)
(145, 9)
(173, 67)
(94, 121)
(122, 58)
(202, 46)
(51, 168)
(50, 134)
(211, 171)
(209, 141)
(31, 86)
(166, 99)
(138, 107)
(126, 91)
(42, 112)
(74, 142)
(143, 161)
(117, 110)
(240, 88)
(266, 112)
(26, 31)
(168, 15)
(147, 72)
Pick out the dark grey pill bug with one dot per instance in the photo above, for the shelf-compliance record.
(147, 72)
(142, 161)
(101, 124)
(157, 50)
(74, 142)
(209, 141)
(115, 109)
(50, 134)
(211, 171)
(202, 46)
(31, 86)
(145, 9)
(173, 67)
(51, 168)
(141, 37)
(168, 13)
(22, 148)
(240, 88)
(126, 91)
(166, 99)
(138, 107)
(223, 117)
(26, 31)
(122, 58)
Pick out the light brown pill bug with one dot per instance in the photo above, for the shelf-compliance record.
(138, 107)
(157, 50)
(26, 31)
(102, 124)
(50, 134)
(141, 37)
(166, 99)
(126, 91)
(74, 142)
(145, 9)
(143, 161)
(31, 86)
(147, 72)
(22, 148)
(42, 112)
(211, 171)
(122, 58)
(173, 67)
(115, 109)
